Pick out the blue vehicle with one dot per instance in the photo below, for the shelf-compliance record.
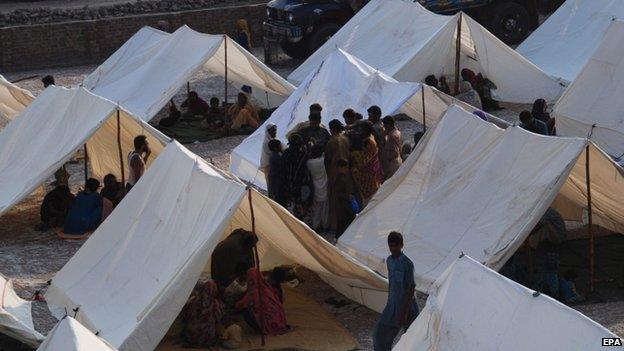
(300, 27)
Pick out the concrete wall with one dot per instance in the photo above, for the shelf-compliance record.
(91, 42)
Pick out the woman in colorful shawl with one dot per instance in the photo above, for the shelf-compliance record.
(297, 184)
(365, 166)
(201, 315)
(261, 301)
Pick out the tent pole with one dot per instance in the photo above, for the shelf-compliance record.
(590, 229)
(86, 164)
(121, 160)
(225, 99)
(458, 52)
(423, 109)
(257, 258)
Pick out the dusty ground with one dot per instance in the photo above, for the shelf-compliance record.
(31, 258)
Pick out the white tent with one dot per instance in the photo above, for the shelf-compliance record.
(15, 316)
(595, 97)
(13, 100)
(69, 335)
(53, 127)
(340, 81)
(471, 307)
(562, 45)
(160, 238)
(474, 188)
(150, 68)
(406, 41)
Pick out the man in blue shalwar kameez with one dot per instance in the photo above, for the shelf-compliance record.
(401, 308)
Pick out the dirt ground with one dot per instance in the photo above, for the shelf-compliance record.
(31, 258)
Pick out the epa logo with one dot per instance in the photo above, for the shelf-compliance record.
(611, 342)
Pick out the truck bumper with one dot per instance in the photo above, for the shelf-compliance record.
(278, 32)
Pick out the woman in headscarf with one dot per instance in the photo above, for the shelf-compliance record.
(539, 112)
(469, 95)
(483, 87)
(297, 184)
(365, 166)
(243, 113)
(201, 315)
(243, 34)
(265, 158)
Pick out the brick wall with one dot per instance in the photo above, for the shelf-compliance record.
(89, 42)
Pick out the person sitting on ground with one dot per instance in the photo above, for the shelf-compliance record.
(112, 194)
(349, 117)
(243, 113)
(215, 119)
(345, 198)
(567, 288)
(539, 112)
(365, 166)
(262, 307)
(195, 107)
(483, 87)
(243, 34)
(279, 276)
(374, 116)
(237, 288)
(314, 132)
(137, 159)
(274, 178)
(85, 214)
(173, 117)
(320, 203)
(47, 81)
(391, 151)
(236, 249)
(431, 81)
(531, 124)
(406, 150)
(469, 95)
(201, 316)
(56, 203)
(443, 86)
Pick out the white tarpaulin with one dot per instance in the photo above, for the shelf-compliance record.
(160, 238)
(150, 68)
(595, 97)
(70, 335)
(341, 81)
(13, 100)
(53, 127)
(406, 41)
(474, 188)
(562, 45)
(15, 316)
(471, 307)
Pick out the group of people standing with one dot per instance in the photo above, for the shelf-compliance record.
(325, 177)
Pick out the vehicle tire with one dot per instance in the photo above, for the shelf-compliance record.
(510, 22)
(321, 35)
(295, 50)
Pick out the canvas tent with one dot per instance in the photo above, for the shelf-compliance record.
(70, 335)
(15, 316)
(563, 44)
(406, 41)
(53, 127)
(13, 100)
(150, 68)
(341, 81)
(471, 307)
(160, 238)
(593, 103)
(475, 188)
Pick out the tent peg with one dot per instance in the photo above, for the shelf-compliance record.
(536, 293)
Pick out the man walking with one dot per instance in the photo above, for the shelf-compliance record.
(401, 308)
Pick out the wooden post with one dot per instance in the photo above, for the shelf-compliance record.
(423, 109)
(225, 99)
(86, 164)
(121, 158)
(590, 229)
(458, 52)
(257, 258)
